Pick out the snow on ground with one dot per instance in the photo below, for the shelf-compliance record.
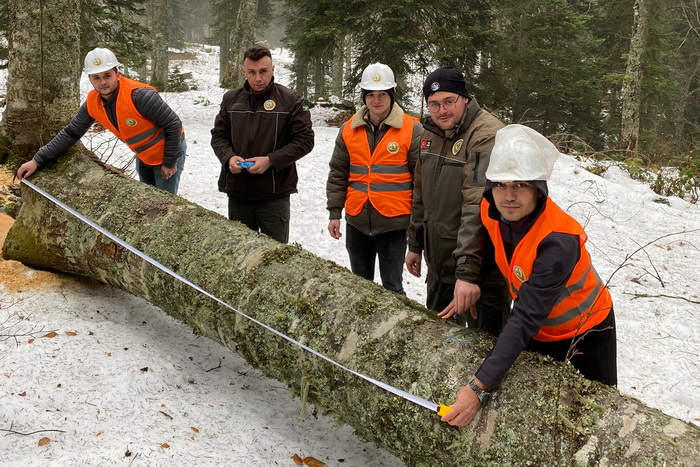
(132, 380)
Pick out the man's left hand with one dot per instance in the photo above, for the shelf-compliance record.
(167, 172)
(261, 164)
(465, 297)
(464, 409)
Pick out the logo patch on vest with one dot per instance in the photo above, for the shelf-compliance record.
(425, 143)
(519, 273)
(131, 122)
(269, 104)
(457, 146)
(392, 147)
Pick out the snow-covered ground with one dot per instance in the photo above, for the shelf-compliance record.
(134, 381)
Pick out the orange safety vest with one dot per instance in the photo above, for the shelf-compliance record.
(140, 134)
(383, 176)
(585, 300)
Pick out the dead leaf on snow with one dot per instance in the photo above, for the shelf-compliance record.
(144, 368)
(23, 393)
(313, 462)
(194, 429)
(44, 441)
(99, 433)
(30, 341)
(109, 354)
(51, 334)
(71, 333)
(165, 445)
(7, 375)
(167, 415)
(297, 459)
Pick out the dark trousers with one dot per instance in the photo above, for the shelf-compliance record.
(270, 216)
(390, 247)
(595, 353)
(492, 308)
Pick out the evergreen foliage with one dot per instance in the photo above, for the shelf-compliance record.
(116, 25)
(556, 65)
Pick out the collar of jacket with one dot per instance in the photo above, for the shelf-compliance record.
(394, 119)
(264, 94)
(470, 113)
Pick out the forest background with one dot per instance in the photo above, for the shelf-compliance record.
(616, 79)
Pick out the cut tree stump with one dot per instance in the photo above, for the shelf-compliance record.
(543, 413)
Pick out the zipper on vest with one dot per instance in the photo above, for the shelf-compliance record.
(477, 156)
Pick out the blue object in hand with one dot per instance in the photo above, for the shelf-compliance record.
(245, 164)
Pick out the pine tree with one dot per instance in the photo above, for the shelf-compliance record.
(118, 25)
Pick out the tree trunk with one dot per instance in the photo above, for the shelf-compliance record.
(338, 71)
(159, 61)
(224, 60)
(632, 83)
(319, 77)
(43, 72)
(544, 412)
(244, 37)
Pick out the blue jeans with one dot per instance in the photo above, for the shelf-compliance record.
(389, 246)
(150, 174)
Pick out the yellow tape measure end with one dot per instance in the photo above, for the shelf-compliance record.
(443, 410)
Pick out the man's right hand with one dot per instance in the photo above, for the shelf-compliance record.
(26, 169)
(334, 228)
(465, 298)
(233, 166)
(413, 261)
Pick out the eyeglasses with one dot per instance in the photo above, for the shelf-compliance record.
(449, 104)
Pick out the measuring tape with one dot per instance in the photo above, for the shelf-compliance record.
(439, 409)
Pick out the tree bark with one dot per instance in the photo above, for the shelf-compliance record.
(632, 83)
(43, 72)
(159, 61)
(544, 412)
(244, 37)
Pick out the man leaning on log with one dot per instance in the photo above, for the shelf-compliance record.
(135, 113)
(561, 307)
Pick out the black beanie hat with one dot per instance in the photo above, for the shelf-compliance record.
(390, 91)
(445, 79)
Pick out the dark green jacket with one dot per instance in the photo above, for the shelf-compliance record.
(448, 186)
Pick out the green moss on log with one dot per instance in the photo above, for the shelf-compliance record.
(544, 412)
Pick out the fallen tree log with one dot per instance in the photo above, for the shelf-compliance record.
(544, 413)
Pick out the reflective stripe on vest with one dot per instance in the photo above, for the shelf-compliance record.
(585, 300)
(139, 133)
(382, 177)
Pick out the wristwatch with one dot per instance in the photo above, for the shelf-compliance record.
(483, 396)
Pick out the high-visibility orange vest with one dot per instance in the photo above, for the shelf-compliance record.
(140, 134)
(585, 300)
(382, 177)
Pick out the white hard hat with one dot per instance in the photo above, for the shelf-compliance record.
(521, 154)
(377, 77)
(99, 60)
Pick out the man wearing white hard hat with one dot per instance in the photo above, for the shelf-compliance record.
(371, 177)
(561, 307)
(134, 112)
